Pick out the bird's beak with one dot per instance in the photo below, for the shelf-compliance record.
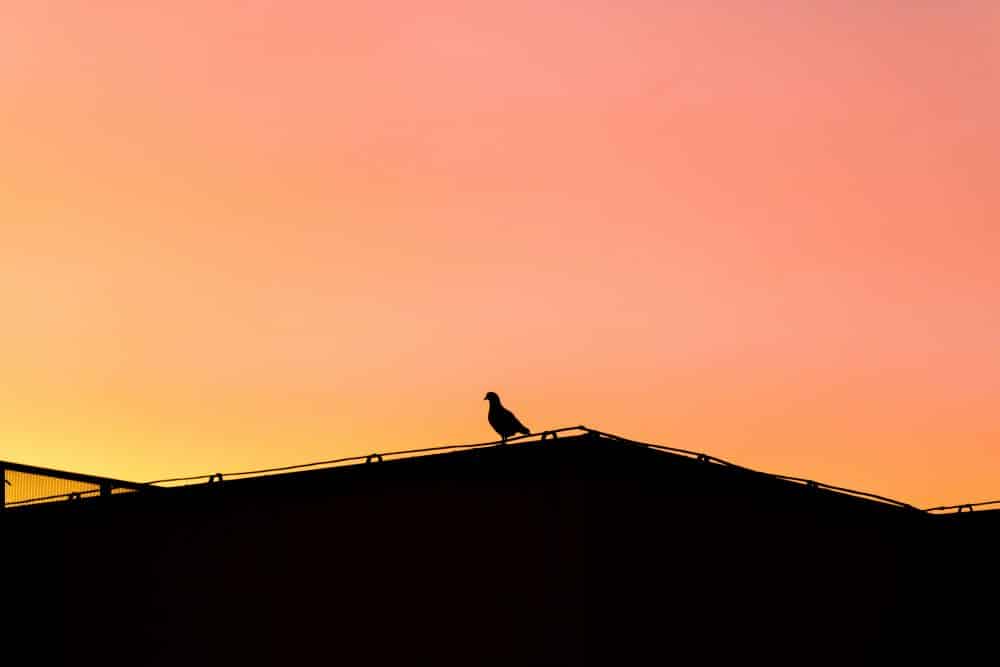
(485, 397)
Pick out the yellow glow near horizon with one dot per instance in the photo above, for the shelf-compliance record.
(236, 237)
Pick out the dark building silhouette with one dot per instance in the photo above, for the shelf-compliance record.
(575, 550)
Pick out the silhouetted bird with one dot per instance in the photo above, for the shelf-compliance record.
(503, 420)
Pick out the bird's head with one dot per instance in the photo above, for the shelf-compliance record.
(491, 397)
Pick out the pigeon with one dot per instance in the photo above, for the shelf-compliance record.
(503, 420)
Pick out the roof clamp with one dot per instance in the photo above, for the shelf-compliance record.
(217, 477)
(704, 458)
(373, 457)
(549, 434)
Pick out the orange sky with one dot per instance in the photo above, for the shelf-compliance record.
(249, 234)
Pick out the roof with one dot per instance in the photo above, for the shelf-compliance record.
(593, 452)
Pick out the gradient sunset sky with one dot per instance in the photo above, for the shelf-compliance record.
(236, 235)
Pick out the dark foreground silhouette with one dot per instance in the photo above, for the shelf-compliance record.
(503, 420)
(571, 551)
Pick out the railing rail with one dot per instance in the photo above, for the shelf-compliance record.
(542, 436)
(91, 486)
(965, 507)
(366, 458)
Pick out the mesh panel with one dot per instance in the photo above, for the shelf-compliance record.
(27, 488)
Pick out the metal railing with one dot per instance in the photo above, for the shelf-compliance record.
(31, 485)
(540, 436)
(26, 485)
(365, 458)
(966, 507)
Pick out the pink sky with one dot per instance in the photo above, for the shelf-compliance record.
(279, 232)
